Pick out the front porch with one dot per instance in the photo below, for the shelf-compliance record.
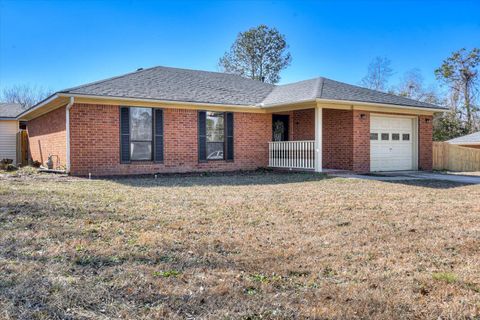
(320, 139)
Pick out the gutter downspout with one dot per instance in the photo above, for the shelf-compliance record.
(67, 125)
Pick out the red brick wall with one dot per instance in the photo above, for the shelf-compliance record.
(337, 139)
(346, 137)
(361, 141)
(95, 145)
(425, 142)
(47, 136)
(95, 140)
(303, 124)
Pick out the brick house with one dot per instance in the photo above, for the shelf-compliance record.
(176, 120)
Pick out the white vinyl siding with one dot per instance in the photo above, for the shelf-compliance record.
(392, 145)
(8, 139)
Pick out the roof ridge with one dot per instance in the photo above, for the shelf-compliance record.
(160, 67)
(322, 81)
(104, 80)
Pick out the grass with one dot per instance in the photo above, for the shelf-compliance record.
(238, 246)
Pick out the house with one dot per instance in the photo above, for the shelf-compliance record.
(9, 128)
(470, 140)
(176, 120)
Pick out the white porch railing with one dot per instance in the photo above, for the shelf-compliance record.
(292, 154)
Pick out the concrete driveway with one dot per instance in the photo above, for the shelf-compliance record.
(413, 175)
(442, 176)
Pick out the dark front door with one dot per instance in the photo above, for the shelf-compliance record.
(280, 127)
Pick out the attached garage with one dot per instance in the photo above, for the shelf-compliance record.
(393, 143)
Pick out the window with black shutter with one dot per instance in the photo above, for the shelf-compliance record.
(215, 135)
(141, 134)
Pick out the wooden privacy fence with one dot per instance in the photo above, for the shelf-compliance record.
(22, 147)
(455, 158)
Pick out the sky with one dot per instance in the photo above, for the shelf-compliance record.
(60, 44)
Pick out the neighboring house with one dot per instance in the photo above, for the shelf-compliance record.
(176, 120)
(9, 127)
(470, 140)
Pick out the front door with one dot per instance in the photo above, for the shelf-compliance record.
(280, 127)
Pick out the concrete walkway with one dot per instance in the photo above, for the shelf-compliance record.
(412, 175)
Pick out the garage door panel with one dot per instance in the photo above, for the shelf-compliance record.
(394, 149)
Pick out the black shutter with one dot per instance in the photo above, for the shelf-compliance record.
(202, 136)
(124, 135)
(229, 136)
(158, 144)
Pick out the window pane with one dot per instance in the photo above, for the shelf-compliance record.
(215, 150)
(141, 150)
(141, 123)
(215, 127)
(406, 137)
(373, 136)
(396, 136)
(385, 136)
(215, 135)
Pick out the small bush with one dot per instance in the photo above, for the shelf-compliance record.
(10, 167)
(5, 163)
(36, 164)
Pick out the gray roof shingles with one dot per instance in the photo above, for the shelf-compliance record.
(469, 138)
(163, 83)
(10, 110)
(184, 85)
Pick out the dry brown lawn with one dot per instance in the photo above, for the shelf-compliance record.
(241, 246)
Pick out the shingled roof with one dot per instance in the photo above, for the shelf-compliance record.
(469, 138)
(163, 83)
(10, 110)
(183, 85)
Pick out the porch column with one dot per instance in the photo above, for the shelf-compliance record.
(318, 139)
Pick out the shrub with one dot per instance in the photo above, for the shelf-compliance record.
(36, 164)
(4, 163)
(10, 167)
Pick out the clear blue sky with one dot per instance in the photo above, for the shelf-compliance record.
(59, 44)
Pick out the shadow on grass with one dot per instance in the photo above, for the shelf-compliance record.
(237, 178)
(429, 183)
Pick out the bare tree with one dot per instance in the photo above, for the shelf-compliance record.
(412, 86)
(461, 74)
(378, 73)
(24, 95)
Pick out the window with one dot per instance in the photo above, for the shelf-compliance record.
(373, 136)
(385, 136)
(141, 133)
(396, 136)
(215, 135)
(406, 137)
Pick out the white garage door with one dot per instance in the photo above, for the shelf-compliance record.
(391, 143)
